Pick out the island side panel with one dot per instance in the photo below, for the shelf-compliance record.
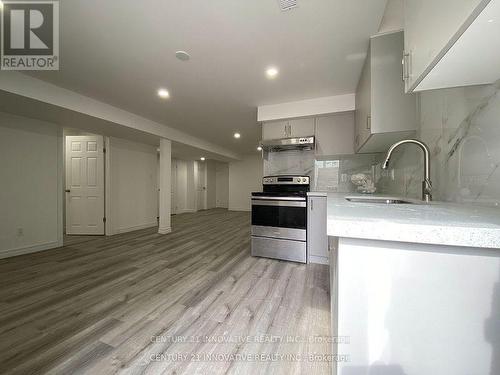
(418, 309)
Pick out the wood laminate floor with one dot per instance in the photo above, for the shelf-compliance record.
(191, 302)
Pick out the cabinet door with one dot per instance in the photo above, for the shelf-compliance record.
(317, 239)
(274, 130)
(301, 127)
(363, 106)
(335, 135)
(430, 29)
(391, 109)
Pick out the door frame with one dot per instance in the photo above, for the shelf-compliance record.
(108, 223)
(204, 187)
(62, 181)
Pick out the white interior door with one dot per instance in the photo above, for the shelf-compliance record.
(201, 189)
(84, 185)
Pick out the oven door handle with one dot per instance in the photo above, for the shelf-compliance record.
(280, 203)
(264, 198)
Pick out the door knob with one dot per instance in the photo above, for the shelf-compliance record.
(67, 191)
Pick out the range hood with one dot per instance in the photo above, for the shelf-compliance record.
(285, 144)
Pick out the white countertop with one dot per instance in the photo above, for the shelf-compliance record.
(317, 194)
(436, 223)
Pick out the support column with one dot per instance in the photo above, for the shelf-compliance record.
(165, 186)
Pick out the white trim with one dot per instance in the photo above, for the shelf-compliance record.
(318, 260)
(136, 227)
(309, 107)
(61, 174)
(165, 230)
(185, 211)
(246, 209)
(109, 224)
(30, 249)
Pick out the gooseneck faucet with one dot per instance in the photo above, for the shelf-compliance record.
(426, 183)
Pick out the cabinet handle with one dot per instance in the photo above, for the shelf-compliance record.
(405, 69)
(368, 122)
(312, 204)
(357, 139)
(289, 130)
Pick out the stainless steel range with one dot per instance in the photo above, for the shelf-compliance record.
(279, 218)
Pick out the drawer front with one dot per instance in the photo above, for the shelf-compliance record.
(294, 251)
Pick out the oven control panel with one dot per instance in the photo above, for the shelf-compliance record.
(286, 180)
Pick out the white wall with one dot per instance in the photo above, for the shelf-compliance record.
(192, 182)
(308, 107)
(222, 185)
(245, 176)
(211, 184)
(133, 186)
(184, 191)
(179, 180)
(31, 185)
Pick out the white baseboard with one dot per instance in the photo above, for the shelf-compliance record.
(247, 209)
(185, 211)
(30, 249)
(136, 227)
(318, 260)
(165, 230)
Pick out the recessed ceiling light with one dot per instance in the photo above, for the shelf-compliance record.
(163, 93)
(237, 135)
(259, 148)
(272, 72)
(202, 158)
(490, 21)
(182, 55)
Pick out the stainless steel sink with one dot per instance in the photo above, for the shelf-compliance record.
(383, 200)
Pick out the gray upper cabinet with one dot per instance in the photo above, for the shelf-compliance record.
(274, 130)
(300, 127)
(450, 43)
(384, 113)
(334, 135)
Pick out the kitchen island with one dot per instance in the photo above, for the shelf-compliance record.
(415, 287)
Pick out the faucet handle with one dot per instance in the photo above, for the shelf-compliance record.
(427, 190)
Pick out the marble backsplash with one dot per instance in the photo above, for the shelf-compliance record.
(462, 128)
(293, 162)
(329, 175)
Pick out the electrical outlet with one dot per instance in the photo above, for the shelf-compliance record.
(20, 232)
